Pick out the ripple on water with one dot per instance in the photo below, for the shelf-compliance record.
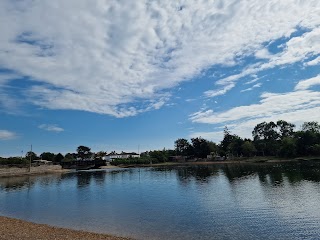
(199, 202)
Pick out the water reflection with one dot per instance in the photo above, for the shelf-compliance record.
(259, 201)
(269, 173)
(272, 174)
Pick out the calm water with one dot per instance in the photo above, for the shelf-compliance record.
(274, 201)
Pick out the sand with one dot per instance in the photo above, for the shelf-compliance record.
(20, 230)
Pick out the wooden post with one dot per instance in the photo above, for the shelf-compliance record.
(30, 159)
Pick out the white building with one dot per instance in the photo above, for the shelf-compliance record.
(111, 156)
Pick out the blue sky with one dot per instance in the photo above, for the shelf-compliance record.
(137, 75)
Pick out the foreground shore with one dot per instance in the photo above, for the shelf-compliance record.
(20, 230)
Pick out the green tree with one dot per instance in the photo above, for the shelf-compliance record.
(311, 126)
(234, 147)
(248, 149)
(47, 156)
(213, 147)
(265, 131)
(160, 156)
(70, 156)
(84, 152)
(305, 141)
(182, 147)
(31, 155)
(227, 139)
(286, 129)
(315, 150)
(288, 147)
(58, 158)
(230, 144)
(266, 136)
(201, 147)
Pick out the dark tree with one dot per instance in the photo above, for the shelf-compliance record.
(286, 129)
(248, 149)
(305, 142)
(311, 126)
(58, 158)
(201, 147)
(47, 156)
(235, 147)
(288, 147)
(84, 152)
(31, 155)
(230, 144)
(70, 156)
(182, 147)
(265, 137)
(227, 139)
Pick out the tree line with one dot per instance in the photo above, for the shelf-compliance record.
(277, 139)
(82, 152)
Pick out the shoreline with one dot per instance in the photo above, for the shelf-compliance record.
(24, 171)
(240, 161)
(7, 172)
(12, 228)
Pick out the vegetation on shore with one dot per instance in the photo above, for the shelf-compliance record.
(270, 140)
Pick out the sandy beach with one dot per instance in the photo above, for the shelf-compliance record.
(14, 229)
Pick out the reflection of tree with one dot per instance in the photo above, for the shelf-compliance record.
(16, 183)
(268, 173)
(200, 173)
(20, 182)
(83, 179)
(99, 177)
(274, 174)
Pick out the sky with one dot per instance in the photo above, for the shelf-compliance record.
(118, 75)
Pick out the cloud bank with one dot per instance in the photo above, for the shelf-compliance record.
(122, 57)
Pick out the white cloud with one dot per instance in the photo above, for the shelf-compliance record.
(263, 54)
(313, 62)
(7, 135)
(271, 104)
(104, 56)
(218, 92)
(296, 107)
(306, 84)
(251, 88)
(51, 128)
(252, 81)
(297, 49)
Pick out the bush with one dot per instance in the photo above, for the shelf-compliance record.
(13, 161)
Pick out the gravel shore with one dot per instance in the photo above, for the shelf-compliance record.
(14, 229)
